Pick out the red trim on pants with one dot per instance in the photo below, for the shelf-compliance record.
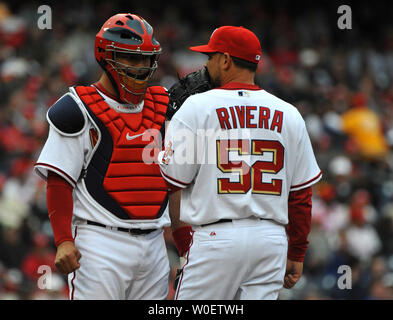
(73, 278)
(182, 271)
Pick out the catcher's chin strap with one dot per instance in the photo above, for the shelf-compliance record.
(102, 64)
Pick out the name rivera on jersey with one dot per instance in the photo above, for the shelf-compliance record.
(249, 117)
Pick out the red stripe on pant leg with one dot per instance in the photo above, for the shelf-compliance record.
(182, 272)
(73, 287)
(73, 278)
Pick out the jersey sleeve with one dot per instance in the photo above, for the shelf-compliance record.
(307, 171)
(178, 162)
(63, 155)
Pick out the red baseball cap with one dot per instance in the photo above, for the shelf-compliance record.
(238, 42)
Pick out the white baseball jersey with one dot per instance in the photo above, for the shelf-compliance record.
(238, 153)
(68, 155)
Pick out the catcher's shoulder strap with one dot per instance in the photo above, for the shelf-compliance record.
(157, 100)
(159, 93)
(66, 116)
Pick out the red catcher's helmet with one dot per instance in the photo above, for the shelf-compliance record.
(121, 35)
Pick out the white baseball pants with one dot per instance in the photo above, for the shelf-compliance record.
(243, 259)
(118, 266)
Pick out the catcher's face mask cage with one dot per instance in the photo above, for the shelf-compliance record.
(123, 45)
(131, 80)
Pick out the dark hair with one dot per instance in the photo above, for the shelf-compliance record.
(251, 66)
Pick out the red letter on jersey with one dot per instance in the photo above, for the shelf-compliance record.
(234, 122)
(240, 115)
(277, 121)
(250, 116)
(223, 117)
(264, 116)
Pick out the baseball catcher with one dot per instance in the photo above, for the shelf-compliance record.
(107, 206)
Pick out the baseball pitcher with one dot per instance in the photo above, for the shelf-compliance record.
(243, 165)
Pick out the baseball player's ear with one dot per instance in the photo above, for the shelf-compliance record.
(227, 57)
(227, 60)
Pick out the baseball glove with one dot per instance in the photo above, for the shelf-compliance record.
(192, 83)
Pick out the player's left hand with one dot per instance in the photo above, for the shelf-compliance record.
(293, 273)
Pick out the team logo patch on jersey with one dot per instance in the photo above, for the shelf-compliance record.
(212, 234)
(168, 153)
(243, 94)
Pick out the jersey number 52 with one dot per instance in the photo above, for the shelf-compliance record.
(250, 176)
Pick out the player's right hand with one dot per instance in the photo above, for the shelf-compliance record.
(67, 257)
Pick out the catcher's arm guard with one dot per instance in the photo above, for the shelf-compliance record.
(192, 83)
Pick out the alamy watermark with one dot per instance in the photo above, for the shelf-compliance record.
(205, 146)
(344, 282)
(44, 282)
(345, 20)
(45, 17)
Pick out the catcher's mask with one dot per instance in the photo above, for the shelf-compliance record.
(122, 46)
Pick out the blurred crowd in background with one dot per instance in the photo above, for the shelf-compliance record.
(340, 80)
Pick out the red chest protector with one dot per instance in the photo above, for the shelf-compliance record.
(121, 176)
